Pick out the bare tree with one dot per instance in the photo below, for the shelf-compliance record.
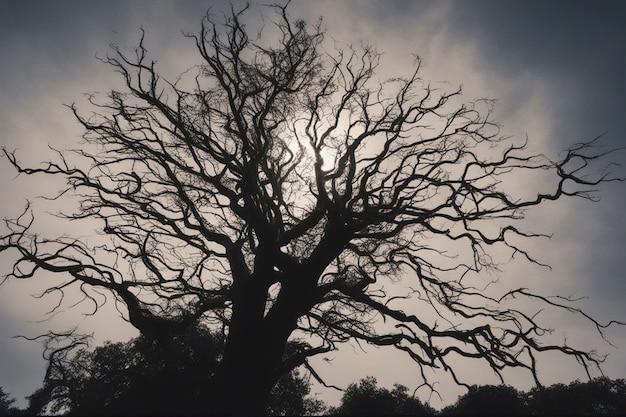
(280, 191)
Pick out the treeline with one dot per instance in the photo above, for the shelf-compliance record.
(173, 377)
(598, 397)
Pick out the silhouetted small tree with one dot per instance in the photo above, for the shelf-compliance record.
(290, 397)
(489, 400)
(6, 405)
(142, 376)
(367, 399)
(280, 190)
(5, 401)
(598, 397)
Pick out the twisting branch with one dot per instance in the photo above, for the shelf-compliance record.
(285, 190)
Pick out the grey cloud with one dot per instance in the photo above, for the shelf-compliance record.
(577, 46)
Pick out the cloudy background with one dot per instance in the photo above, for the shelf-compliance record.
(557, 69)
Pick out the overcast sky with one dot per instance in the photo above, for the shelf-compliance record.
(557, 70)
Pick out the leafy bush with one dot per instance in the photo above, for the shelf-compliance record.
(366, 399)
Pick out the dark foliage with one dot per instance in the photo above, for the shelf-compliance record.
(290, 397)
(489, 400)
(367, 399)
(102, 382)
(5, 401)
(148, 377)
(6, 405)
(597, 397)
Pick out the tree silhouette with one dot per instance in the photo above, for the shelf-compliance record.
(367, 399)
(290, 397)
(6, 404)
(280, 191)
(598, 397)
(489, 400)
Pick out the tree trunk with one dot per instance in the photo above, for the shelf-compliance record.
(252, 357)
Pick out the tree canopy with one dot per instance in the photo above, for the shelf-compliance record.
(143, 377)
(280, 191)
(367, 399)
(597, 397)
